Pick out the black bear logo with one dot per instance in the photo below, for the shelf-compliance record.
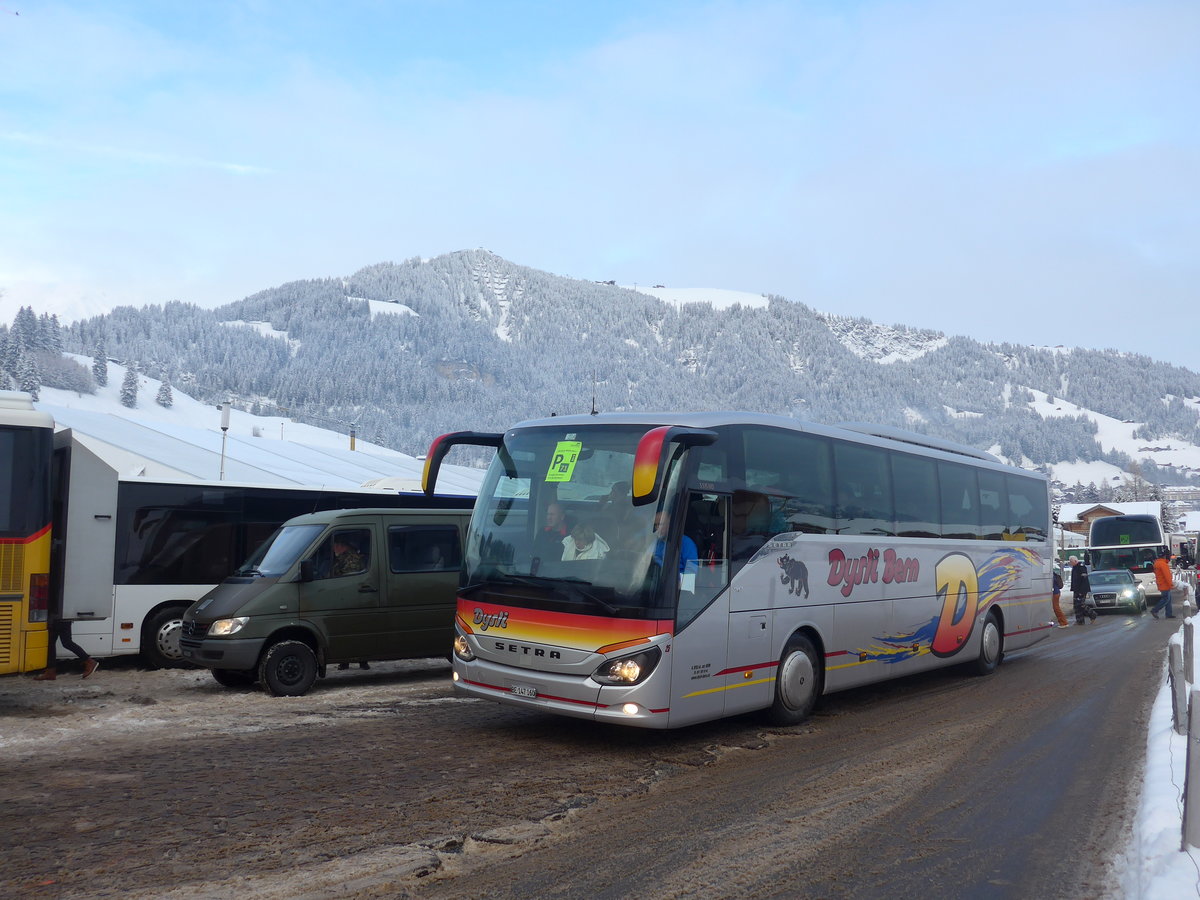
(794, 575)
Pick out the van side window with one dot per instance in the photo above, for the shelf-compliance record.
(345, 552)
(423, 548)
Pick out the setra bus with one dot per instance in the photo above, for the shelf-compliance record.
(1130, 542)
(659, 570)
(26, 446)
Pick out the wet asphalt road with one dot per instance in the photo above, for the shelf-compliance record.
(384, 784)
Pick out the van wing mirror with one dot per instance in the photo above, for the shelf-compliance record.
(653, 451)
(308, 570)
(441, 446)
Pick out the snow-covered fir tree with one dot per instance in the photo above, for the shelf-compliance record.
(100, 365)
(164, 397)
(129, 388)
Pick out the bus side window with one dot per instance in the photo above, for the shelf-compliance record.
(750, 525)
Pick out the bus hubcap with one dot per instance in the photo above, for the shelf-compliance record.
(991, 641)
(796, 680)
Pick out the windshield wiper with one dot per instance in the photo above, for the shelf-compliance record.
(249, 570)
(573, 587)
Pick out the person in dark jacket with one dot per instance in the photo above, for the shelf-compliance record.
(1080, 588)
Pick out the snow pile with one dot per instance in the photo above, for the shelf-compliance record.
(1156, 867)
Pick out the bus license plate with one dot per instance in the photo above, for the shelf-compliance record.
(522, 690)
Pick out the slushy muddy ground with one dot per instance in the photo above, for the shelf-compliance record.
(384, 783)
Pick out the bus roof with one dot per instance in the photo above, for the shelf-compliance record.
(879, 435)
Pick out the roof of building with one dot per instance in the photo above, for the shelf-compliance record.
(159, 449)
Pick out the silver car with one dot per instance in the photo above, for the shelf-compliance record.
(1117, 589)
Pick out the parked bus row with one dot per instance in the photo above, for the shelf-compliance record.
(123, 558)
(651, 570)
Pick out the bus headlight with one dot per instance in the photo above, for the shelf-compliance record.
(226, 627)
(462, 649)
(628, 669)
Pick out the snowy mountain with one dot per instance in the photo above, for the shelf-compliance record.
(470, 341)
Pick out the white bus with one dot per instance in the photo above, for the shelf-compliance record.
(1130, 542)
(799, 560)
(165, 544)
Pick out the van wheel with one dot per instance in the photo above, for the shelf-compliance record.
(288, 669)
(233, 678)
(160, 638)
(991, 647)
(798, 682)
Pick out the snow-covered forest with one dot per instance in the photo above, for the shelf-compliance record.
(469, 340)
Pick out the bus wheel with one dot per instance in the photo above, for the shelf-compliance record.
(233, 678)
(288, 669)
(160, 638)
(798, 682)
(991, 646)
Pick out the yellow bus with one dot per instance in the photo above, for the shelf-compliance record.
(26, 447)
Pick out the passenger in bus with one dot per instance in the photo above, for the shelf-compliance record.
(689, 555)
(549, 541)
(584, 543)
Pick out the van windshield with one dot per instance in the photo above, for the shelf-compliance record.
(279, 552)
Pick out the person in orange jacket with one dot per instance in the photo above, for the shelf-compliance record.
(1165, 582)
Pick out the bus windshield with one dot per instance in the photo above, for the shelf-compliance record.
(555, 525)
(280, 551)
(24, 480)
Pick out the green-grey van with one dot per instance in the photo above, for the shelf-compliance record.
(339, 586)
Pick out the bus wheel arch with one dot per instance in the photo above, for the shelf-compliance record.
(799, 679)
(289, 665)
(991, 644)
(161, 631)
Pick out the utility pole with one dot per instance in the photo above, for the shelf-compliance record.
(224, 434)
(352, 427)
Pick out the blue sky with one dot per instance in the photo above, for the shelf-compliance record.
(1013, 171)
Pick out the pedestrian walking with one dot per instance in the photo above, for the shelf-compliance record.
(60, 632)
(1166, 582)
(1058, 586)
(1080, 588)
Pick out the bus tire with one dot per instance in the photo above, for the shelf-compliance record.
(233, 678)
(288, 669)
(160, 638)
(991, 646)
(798, 682)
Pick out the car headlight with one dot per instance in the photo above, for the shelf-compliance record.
(1127, 593)
(630, 669)
(462, 649)
(226, 627)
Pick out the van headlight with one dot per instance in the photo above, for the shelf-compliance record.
(630, 669)
(226, 627)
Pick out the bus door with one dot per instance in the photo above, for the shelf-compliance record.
(709, 636)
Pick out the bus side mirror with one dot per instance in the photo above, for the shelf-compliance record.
(653, 451)
(307, 570)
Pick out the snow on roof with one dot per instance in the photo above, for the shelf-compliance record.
(156, 442)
